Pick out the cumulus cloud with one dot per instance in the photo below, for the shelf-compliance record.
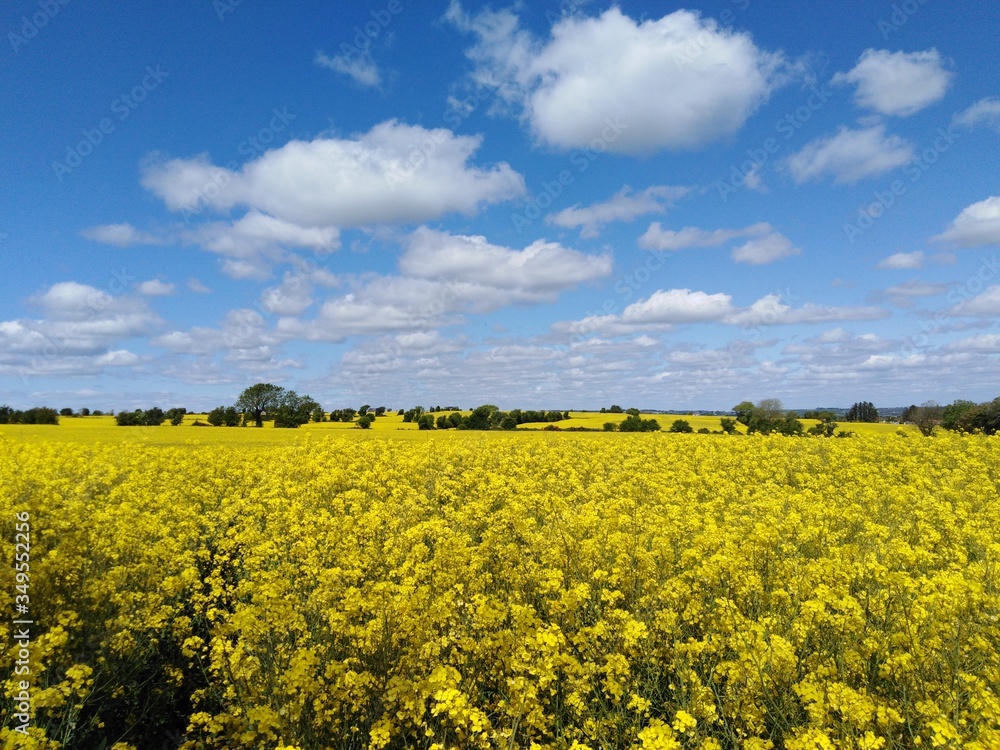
(850, 155)
(768, 249)
(664, 310)
(393, 173)
(905, 294)
(74, 335)
(625, 205)
(903, 261)
(986, 304)
(594, 70)
(766, 246)
(155, 288)
(361, 68)
(977, 225)
(898, 83)
(658, 238)
(985, 112)
(121, 235)
(542, 268)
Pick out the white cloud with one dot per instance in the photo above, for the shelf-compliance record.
(658, 238)
(986, 304)
(663, 310)
(118, 358)
(197, 287)
(241, 331)
(903, 261)
(542, 268)
(977, 225)
(898, 83)
(850, 155)
(904, 294)
(122, 235)
(986, 342)
(623, 206)
(393, 173)
(769, 249)
(984, 112)
(361, 68)
(707, 80)
(765, 246)
(155, 288)
(292, 297)
(75, 335)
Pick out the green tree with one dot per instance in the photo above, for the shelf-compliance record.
(260, 400)
(426, 421)
(365, 421)
(862, 411)
(681, 425)
(927, 417)
(729, 426)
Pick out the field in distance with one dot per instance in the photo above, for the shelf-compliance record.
(104, 430)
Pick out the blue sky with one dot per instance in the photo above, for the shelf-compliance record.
(556, 205)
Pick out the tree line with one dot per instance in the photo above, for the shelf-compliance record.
(35, 415)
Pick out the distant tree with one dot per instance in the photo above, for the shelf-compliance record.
(85, 412)
(364, 409)
(633, 412)
(380, 411)
(38, 415)
(704, 431)
(479, 419)
(426, 421)
(401, 412)
(956, 415)
(615, 409)
(66, 412)
(176, 416)
(154, 417)
(455, 418)
(508, 422)
(97, 413)
(217, 416)
(293, 410)
(443, 423)
(610, 426)
(633, 423)
(823, 429)
(681, 425)
(126, 418)
(743, 411)
(729, 426)
(927, 417)
(260, 400)
(862, 411)
(365, 421)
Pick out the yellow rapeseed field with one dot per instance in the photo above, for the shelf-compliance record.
(308, 589)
